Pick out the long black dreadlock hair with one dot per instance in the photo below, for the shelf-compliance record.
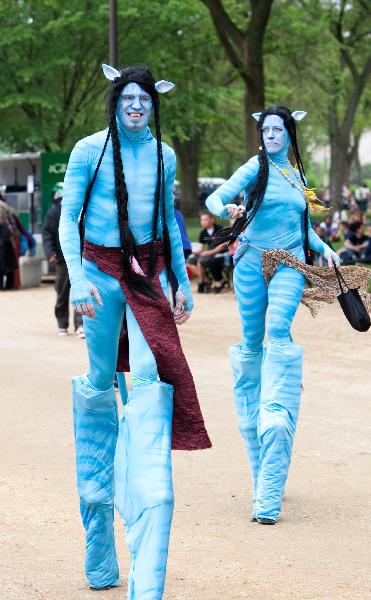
(256, 194)
(143, 77)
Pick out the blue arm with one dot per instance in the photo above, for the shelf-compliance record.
(227, 192)
(177, 254)
(75, 184)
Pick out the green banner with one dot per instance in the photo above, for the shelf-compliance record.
(53, 169)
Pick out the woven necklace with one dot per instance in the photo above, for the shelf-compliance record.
(309, 194)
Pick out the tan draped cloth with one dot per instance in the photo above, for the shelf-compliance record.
(325, 286)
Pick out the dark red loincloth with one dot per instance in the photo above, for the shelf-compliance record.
(156, 322)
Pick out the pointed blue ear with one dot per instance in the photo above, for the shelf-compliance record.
(164, 86)
(110, 72)
(256, 116)
(299, 115)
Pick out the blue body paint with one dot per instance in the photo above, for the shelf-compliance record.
(268, 381)
(143, 492)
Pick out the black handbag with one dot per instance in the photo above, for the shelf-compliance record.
(352, 305)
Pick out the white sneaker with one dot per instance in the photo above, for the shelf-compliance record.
(62, 332)
(80, 333)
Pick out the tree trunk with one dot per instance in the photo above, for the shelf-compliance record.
(338, 163)
(244, 49)
(254, 84)
(188, 154)
(254, 102)
(354, 159)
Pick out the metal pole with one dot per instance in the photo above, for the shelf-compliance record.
(113, 32)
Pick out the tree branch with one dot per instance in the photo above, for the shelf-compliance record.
(356, 96)
(222, 19)
(234, 52)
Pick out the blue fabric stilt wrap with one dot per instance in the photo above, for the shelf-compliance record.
(96, 427)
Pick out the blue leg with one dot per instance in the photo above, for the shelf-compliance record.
(279, 409)
(280, 393)
(252, 298)
(143, 472)
(246, 368)
(96, 428)
(96, 425)
(144, 491)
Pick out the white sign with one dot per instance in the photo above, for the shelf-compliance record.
(30, 184)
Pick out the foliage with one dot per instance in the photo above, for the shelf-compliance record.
(49, 74)
(53, 89)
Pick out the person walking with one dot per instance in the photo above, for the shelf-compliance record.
(53, 252)
(275, 215)
(119, 183)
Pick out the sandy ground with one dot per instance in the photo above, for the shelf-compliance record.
(319, 550)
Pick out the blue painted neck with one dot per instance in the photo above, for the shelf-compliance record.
(281, 157)
(140, 137)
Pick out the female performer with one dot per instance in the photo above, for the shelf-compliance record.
(267, 381)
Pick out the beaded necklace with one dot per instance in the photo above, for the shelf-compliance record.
(309, 194)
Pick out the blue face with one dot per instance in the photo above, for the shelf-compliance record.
(134, 107)
(275, 135)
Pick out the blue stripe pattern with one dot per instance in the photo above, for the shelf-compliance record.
(267, 390)
(96, 428)
(144, 488)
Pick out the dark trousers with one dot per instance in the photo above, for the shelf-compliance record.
(62, 307)
(215, 265)
(9, 281)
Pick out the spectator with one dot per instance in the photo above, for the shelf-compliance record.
(356, 216)
(343, 232)
(346, 197)
(356, 242)
(366, 251)
(187, 246)
(329, 228)
(12, 233)
(211, 257)
(362, 196)
(8, 259)
(326, 197)
(339, 216)
(54, 255)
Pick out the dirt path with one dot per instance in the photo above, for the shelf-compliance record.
(319, 551)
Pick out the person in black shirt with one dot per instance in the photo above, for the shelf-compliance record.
(211, 257)
(357, 240)
(356, 245)
(53, 252)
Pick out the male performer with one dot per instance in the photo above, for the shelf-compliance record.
(119, 184)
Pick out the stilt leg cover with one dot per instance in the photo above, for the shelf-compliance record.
(246, 368)
(279, 410)
(144, 489)
(96, 427)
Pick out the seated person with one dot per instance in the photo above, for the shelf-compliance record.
(342, 233)
(329, 227)
(355, 244)
(365, 253)
(210, 258)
